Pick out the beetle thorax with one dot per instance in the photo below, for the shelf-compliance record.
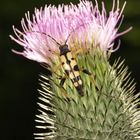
(64, 49)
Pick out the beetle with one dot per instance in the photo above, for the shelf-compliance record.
(70, 66)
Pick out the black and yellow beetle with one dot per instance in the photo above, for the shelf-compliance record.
(70, 66)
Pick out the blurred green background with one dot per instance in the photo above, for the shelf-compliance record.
(19, 76)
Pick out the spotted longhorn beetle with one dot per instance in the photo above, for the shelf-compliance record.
(70, 66)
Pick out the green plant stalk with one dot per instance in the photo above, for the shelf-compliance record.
(108, 110)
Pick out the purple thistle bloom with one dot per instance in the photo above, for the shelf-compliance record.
(83, 22)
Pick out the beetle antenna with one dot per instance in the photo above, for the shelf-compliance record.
(68, 37)
(48, 36)
(54, 40)
(74, 30)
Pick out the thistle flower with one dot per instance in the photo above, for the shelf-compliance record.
(84, 23)
(108, 108)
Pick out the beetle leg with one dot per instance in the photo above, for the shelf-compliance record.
(62, 81)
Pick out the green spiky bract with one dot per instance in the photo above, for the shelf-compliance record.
(107, 111)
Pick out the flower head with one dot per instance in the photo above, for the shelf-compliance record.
(75, 23)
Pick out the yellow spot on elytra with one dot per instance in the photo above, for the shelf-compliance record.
(76, 73)
(71, 75)
(66, 66)
(73, 63)
(63, 59)
(69, 56)
(80, 82)
(75, 84)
